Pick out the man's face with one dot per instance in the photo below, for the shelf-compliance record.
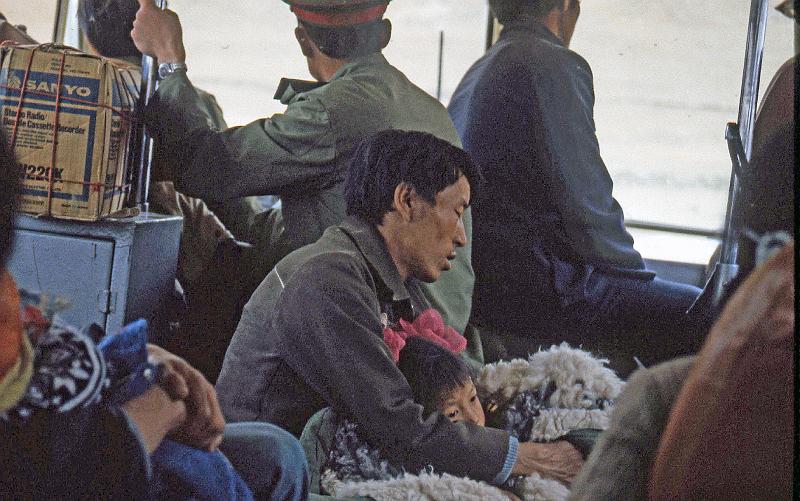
(437, 230)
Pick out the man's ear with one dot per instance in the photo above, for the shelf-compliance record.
(387, 33)
(306, 45)
(404, 195)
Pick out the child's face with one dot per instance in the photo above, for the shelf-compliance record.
(462, 404)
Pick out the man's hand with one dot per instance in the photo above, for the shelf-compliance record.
(158, 33)
(155, 415)
(204, 423)
(558, 460)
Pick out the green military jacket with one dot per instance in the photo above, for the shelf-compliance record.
(235, 214)
(302, 155)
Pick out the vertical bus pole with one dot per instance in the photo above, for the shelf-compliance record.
(726, 268)
(439, 73)
(144, 159)
(62, 8)
(492, 30)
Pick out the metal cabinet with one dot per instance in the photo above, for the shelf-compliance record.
(110, 272)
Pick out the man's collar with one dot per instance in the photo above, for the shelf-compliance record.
(288, 88)
(355, 64)
(372, 245)
(529, 24)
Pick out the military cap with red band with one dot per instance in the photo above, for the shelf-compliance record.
(336, 13)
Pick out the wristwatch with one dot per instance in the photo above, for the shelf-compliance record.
(167, 69)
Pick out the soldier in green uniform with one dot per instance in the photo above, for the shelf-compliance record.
(302, 154)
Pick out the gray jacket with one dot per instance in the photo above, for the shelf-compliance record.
(312, 336)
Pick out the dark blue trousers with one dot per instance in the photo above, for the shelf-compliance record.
(269, 459)
(628, 320)
(260, 461)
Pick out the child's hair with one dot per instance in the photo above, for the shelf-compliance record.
(431, 371)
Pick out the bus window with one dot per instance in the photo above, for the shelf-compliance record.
(415, 40)
(667, 79)
(37, 15)
(240, 50)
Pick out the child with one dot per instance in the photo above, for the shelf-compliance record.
(440, 381)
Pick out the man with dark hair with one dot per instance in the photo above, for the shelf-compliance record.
(301, 154)
(568, 269)
(388, 162)
(312, 334)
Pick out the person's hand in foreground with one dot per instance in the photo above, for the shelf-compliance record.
(204, 423)
(558, 460)
(155, 415)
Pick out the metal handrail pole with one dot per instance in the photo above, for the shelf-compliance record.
(62, 7)
(145, 158)
(726, 268)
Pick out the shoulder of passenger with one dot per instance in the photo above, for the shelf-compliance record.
(205, 95)
(563, 63)
(332, 268)
(346, 94)
(660, 382)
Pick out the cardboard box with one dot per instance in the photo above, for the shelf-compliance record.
(79, 171)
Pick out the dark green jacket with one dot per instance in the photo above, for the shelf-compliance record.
(302, 154)
(312, 336)
(236, 213)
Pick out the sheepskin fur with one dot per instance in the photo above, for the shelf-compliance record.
(422, 487)
(579, 379)
(554, 423)
(537, 488)
(539, 399)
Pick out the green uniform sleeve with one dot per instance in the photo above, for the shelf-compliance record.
(216, 119)
(286, 153)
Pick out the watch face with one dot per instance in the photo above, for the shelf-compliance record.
(164, 70)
